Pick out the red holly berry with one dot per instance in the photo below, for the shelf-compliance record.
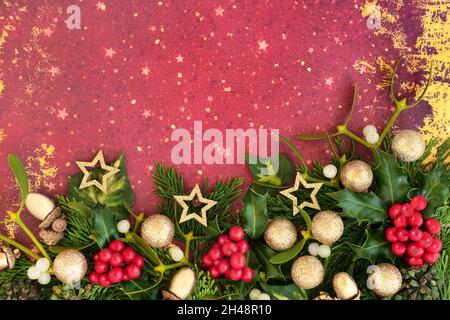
(222, 239)
(401, 222)
(234, 274)
(207, 261)
(238, 261)
(435, 246)
(425, 241)
(415, 250)
(101, 267)
(391, 234)
(243, 246)
(415, 234)
(116, 259)
(139, 261)
(415, 261)
(215, 254)
(223, 266)
(216, 262)
(407, 210)
(94, 277)
(419, 202)
(433, 226)
(398, 248)
(103, 280)
(236, 233)
(229, 248)
(430, 257)
(128, 254)
(115, 275)
(395, 210)
(116, 245)
(402, 235)
(105, 255)
(96, 257)
(133, 271)
(125, 277)
(214, 272)
(247, 274)
(415, 220)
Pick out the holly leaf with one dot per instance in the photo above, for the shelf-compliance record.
(264, 253)
(139, 289)
(360, 206)
(435, 188)
(287, 292)
(269, 176)
(20, 174)
(255, 213)
(104, 227)
(375, 248)
(391, 182)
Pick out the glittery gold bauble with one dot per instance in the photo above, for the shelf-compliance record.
(345, 286)
(408, 145)
(356, 175)
(280, 234)
(307, 272)
(389, 280)
(327, 227)
(157, 230)
(70, 266)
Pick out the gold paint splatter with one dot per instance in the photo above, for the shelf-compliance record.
(2, 135)
(2, 87)
(39, 168)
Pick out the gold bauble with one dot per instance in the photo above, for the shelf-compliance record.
(408, 145)
(181, 286)
(307, 272)
(70, 266)
(327, 227)
(345, 286)
(280, 234)
(356, 175)
(389, 280)
(157, 231)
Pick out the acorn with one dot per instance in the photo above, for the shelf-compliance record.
(157, 231)
(280, 234)
(345, 286)
(356, 176)
(181, 286)
(327, 227)
(8, 257)
(388, 280)
(39, 205)
(307, 272)
(70, 266)
(408, 145)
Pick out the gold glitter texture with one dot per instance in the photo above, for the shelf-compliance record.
(280, 234)
(389, 280)
(408, 145)
(70, 266)
(157, 231)
(327, 227)
(307, 272)
(356, 175)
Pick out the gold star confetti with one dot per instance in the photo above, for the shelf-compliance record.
(288, 194)
(182, 202)
(87, 183)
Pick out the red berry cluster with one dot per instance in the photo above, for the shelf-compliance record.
(408, 240)
(115, 264)
(227, 257)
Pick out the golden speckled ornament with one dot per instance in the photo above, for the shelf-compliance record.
(327, 227)
(356, 175)
(157, 231)
(280, 234)
(408, 145)
(345, 286)
(307, 272)
(389, 280)
(70, 266)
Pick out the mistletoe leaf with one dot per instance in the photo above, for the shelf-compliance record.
(375, 248)
(435, 188)
(139, 289)
(391, 182)
(360, 206)
(255, 213)
(104, 227)
(286, 292)
(289, 254)
(20, 174)
(281, 177)
(264, 253)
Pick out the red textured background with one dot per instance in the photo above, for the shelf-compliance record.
(67, 74)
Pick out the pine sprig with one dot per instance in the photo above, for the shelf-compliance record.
(206, 287)
(18, 273)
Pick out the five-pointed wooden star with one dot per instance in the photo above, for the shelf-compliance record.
(182, 202)
(288, 194)
(110, 172)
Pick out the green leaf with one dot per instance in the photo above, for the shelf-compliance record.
(375, 248)
(281, 177)
(144, 248)
(435, 188)
(20, 174)
(104, 227)
(255, 213)
(287, 292)
(264, 253)
(360, 206)
(139, 289)
(289, 254)
(80, 208)
(59, 249)
(391, 182)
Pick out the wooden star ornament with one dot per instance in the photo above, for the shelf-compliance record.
(288, 194)
(181, 200)
(85, 182)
